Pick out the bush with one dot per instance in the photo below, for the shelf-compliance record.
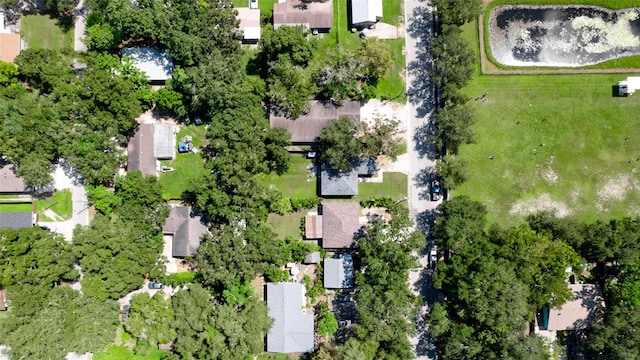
(275, 274)
(383, 202)
(304, 203)
(327, 323)
(281, 206)
(181, 278)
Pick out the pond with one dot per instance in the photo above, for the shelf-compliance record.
(525, 35)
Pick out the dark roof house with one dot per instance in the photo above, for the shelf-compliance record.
(292, 329)
(365, 166)
(16, 220)
(140, 151)
(157, 65)
(315, 16)
(340, 224)
(307, 128)
(186, 230)
(338, 273)
(338, 183)
(10, 183)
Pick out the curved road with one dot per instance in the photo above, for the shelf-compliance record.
(419, 22)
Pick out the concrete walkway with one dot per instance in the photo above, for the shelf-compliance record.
(421, 153)
(79, 29)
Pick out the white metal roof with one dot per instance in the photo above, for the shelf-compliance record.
(157, 65)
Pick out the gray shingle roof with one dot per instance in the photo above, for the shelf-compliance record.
(307, 128)
(9, 181)
(292, 329)
(140, 151)
(365, 166)
(16, 220)
(157, 65)
(340, 223)
(334, 183)
(338, 273)
(186, 230)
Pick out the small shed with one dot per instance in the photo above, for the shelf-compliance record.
(365, 13)
(164, 141)
(157, 65)
(628, 86)
(338, 273)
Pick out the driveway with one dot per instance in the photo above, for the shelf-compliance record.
(421, 155)
(167, 291)
(79, 28)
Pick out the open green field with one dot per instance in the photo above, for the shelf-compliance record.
(15, 207)
(394, 186)
(560, 142)
(42, 32)
(60, 203)
(287, 225)
(123, 353)
(187, 166)
(297, 182)
(626, 62)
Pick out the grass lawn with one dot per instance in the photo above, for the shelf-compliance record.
(42, 32)
(15, 207)
(394, 186)
(287, 225)
(392, 12)
(123, 353)
(560, 142)
(60, 203)
(297, 182)
(187, 166)
(392, 86)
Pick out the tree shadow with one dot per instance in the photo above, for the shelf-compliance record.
(424, 146)
(421, 90)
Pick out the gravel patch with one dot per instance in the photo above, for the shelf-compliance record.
(539, 204)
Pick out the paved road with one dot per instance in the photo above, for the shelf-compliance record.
(418, 19)
(79, 31)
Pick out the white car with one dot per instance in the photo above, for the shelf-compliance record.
(433, 257)
(253, 4)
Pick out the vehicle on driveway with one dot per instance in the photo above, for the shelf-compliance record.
(433, 257)
(435, 190)
(49, 228)
(156, 286)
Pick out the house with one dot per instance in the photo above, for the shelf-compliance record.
(340, 224)
(140, 151)
(164, 141)
(338, 183)
(577, 313)
(10, 183)
(10, 43)
(365, 13)
(155, 64)
(306, 129)
(317, 16)
(628, 86)
(338, 273)
(249, 25)
(365, 167)
(292, 329)
(16, 220)
(185, 229)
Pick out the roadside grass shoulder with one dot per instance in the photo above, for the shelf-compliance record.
(60, 203)
(392, 12)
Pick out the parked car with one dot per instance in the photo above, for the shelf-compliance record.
(167, 169)
(49, 228)
(435, 190)
(155, 285)
(433, 257)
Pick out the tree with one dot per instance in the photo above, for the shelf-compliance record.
(59, 321)
(453, 127)
(341, 77)
(380, 137)
(150, 320)
(289, 89)
(457, 12)
(452, 171)
(286, 44)
(461, 224)
(102, 37)
(327, 323)
(617, 336)
(33, 256)
(452, 62)
(338, 144)
(8, 73)
(376, 58)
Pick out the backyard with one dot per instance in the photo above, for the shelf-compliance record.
(558, 142)
(297, 182)
(43, 32)
(187, 167)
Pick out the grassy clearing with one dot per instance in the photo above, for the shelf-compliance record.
(287, 225)
(585, 167)
(394, 186)
(123, 353)
(392, 86)
(60, 203)
(16, 207)
(297, 182)
(42, 32)
(392, 12)
(627, 62)
(187, 167)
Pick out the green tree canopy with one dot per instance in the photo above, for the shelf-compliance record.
(338, 144)
(453, 127)
(457, 12)
(151, 320)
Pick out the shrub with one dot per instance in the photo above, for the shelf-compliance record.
(181, 278)
(304, 203)
(383, 202)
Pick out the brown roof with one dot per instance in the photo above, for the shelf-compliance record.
(580, 311)
(307, 128)
(140, 151)
(248, 18)
(313, 227)
(340, 222)
(9, 181)
(317, 15)
(186, 228)
(9, 47)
